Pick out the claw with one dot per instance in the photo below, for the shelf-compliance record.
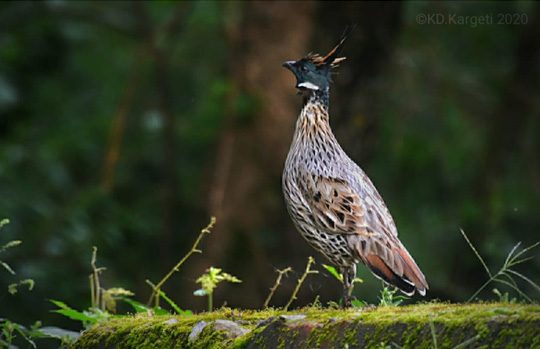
(347, 302)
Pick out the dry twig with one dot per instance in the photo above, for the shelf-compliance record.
(301, 280)
(276, 285)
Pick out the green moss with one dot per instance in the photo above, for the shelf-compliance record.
(260, 342)
(349, 335)
(497, 325)
(412, 339)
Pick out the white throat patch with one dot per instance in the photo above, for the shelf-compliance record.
(309, 85)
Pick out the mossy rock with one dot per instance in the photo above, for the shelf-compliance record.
(432, 325)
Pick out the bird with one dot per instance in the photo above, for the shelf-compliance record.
(331, 201)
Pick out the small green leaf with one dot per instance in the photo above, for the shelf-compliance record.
(213, 272)
(72, 313)
(59, 333)
(334, 272)
(7, 267)
(59, 304)
(21, 330)
(10, 244)
(12, 288)
(76, 315)
(160, 311)
(173, 304)
(230, 278)
(137, 306)
(358, 303)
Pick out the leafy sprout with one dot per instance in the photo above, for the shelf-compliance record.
(388, 297)
(339, 276)
(209, 282)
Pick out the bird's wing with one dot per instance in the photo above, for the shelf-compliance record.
(336, 207)
(339, 209)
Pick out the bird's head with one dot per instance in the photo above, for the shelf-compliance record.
(313, 72)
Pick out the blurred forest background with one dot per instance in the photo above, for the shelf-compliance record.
(127, 125)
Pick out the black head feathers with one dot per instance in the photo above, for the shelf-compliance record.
(313, 71)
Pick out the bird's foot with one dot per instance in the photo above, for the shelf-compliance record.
(348, 302)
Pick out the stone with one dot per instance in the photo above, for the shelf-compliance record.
(197, 329)
(232, 328)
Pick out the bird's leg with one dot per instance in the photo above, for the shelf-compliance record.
(349, 274)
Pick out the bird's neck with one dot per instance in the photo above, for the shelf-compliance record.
(318, 97)
(313, 124)
(314, 114)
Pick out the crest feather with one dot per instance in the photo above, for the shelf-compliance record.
(331, 59)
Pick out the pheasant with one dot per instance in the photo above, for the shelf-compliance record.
(330, 199)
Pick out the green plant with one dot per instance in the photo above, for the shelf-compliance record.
(339, 276)
(156, 289)
(506, 275)
(6, 246)
(162, 294)
(209, 282)
(104, 301)
(388, 297)
(12, 288)
(433, 333)
(87, 317)
(9, 331)
(504, 298)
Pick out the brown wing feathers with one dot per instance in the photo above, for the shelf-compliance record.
(335, 206)
(337, 209)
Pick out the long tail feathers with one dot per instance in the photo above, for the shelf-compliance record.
(412, 272)
(411, 278)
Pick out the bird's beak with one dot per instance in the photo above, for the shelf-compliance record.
(289, 65)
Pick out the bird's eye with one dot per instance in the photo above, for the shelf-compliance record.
(303, 68)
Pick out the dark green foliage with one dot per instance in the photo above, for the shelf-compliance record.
(68, 77)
